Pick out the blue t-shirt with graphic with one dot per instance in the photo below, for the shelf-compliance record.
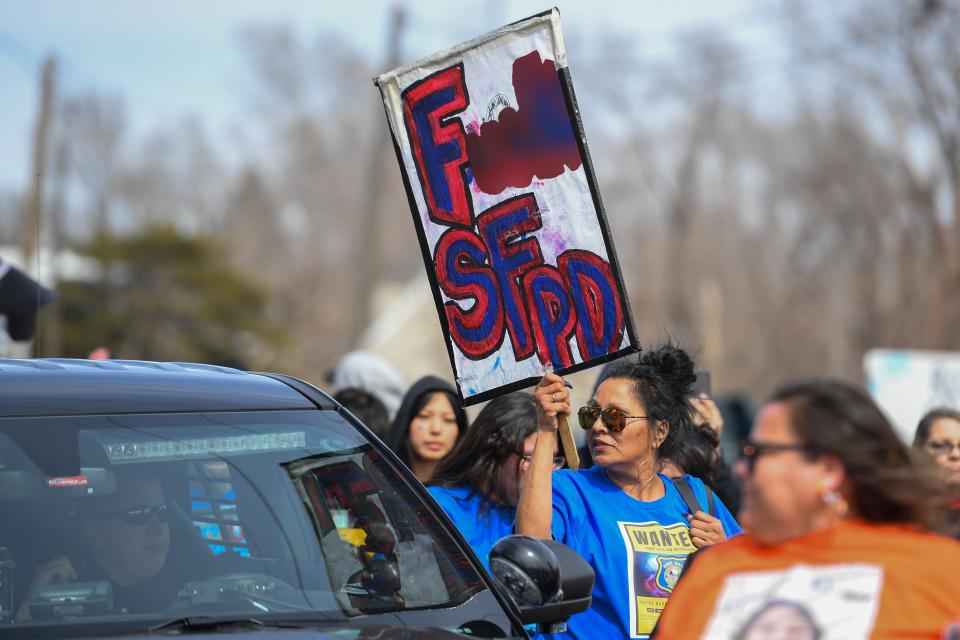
(481, 530)
(636, 548)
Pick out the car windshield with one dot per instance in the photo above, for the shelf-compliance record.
(155, 517)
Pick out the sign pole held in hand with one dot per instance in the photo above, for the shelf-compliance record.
(567, 442)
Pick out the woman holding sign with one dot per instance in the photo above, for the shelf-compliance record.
(628, 521)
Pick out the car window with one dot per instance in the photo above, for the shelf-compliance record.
(157, 516)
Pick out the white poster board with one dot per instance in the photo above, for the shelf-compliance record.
(507, 210)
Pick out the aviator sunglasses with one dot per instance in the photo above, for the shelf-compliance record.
(613, 419)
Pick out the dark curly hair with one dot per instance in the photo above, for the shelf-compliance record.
(663, 381)
(697, 452)
(481, 455)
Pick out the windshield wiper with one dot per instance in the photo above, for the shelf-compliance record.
(203, 624)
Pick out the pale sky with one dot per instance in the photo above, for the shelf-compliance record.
(180, 57)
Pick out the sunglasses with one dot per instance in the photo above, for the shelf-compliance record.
(753, 450)
(559, 462)
(613, 419)
(141, 515)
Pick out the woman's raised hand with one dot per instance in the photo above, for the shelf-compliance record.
(553, 398)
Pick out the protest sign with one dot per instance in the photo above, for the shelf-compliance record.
(507, 210)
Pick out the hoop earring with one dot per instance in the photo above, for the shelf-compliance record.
(836, 501)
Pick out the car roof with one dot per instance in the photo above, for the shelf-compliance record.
(61, 386)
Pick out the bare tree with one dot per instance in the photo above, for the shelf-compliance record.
(91, 132)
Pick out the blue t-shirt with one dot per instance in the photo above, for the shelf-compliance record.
(480, 530)
(636, 548)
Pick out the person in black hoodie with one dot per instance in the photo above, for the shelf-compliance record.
(429, 423)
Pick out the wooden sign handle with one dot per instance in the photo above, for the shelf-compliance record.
(569, 445)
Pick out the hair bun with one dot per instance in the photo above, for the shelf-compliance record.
(673, 365)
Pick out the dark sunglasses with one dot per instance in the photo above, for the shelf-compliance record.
(141, 515)
(613, 419)
(753, 450)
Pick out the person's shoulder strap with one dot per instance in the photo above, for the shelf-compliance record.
(686, 492)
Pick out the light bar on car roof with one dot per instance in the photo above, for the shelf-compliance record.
(127, 451)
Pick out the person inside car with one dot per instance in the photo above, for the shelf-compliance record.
(123, 538)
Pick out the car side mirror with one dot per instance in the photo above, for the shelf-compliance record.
(547, 580)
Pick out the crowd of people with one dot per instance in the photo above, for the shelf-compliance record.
(827, 525)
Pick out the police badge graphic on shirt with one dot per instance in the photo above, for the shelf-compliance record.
(656, 555)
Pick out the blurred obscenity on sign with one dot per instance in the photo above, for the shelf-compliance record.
(507, 210)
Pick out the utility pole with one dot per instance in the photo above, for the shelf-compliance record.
(367, 243)
(31, 219)
(51, 320)
(30, 233)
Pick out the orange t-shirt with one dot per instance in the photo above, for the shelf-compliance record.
(852, 580)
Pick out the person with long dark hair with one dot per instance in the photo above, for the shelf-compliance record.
(837, 513)
(428, 424)
(478, 484)
(628, 521)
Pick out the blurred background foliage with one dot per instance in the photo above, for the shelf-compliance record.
(778, 216)
(163, 295)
